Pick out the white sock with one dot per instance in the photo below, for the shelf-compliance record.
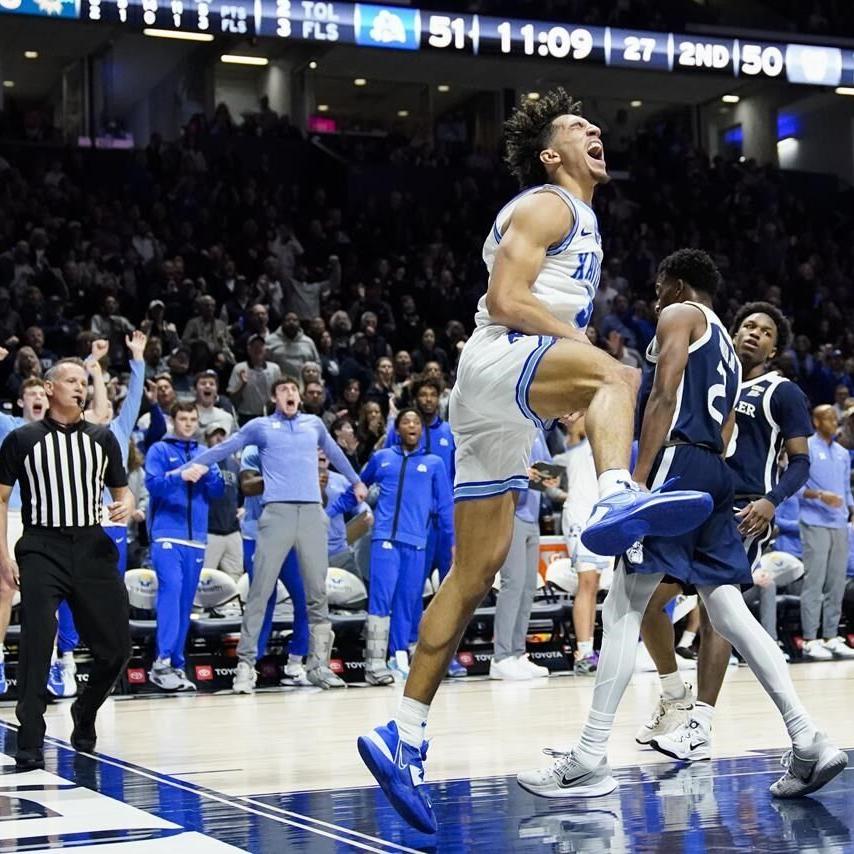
(703, 714)
(68, 657)
(672, 686)
(687, 639)
(411, 721)
(294, 660)
(621, 615)
(613, 480)
(2, 653)
(53, 656)
(731, 619)
(585, 648)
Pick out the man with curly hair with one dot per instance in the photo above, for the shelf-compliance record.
(687, 426)
(527, 363)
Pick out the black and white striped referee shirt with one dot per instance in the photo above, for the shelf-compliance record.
(62, 470)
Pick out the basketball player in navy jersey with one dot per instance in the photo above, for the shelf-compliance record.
(688, 422)
(771, 412)
(528, 361)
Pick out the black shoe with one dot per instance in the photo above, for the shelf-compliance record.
(83, 736)
(31, 759)
(687, 652)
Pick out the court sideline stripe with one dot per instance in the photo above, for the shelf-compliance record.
(214, 796)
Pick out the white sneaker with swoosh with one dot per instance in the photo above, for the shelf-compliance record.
(690, 742)
(566, 777)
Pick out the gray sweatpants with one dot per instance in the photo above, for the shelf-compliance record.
(518, 586)
(767, 599)
(825, 563)
(283, 527)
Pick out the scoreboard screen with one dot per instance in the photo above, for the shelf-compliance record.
(406, 28)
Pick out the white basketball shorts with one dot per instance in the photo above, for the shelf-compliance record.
(492, 419)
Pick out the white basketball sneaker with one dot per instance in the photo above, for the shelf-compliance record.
(838, 648)
(817, 650)
(244, 679)
(668, 715)
(809, 768)
(567, 778)
(536, 670)
(509, 670)
(690, 741)
(295, 675)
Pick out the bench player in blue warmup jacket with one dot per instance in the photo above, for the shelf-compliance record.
(413, 487)
(178, 530)
(687, 426)
(770, 413)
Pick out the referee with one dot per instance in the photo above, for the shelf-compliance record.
(62, 464)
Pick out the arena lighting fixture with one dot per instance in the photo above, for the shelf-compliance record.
(239, 59)
(360, 81)
(533, 96)
(312, 65)
(403, 114)
(444, 87)
(636, 103)
(730, 99)
(8, 84)
(31, 54)
(323, 108)
(174, 34)
(844, 90)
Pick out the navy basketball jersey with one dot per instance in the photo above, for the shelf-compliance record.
(709, 386)
(770, 409)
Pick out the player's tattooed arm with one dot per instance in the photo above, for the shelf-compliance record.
(676, 325)
(538, 222)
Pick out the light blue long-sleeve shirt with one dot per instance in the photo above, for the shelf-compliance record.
(122, 425)
(830, 471)
(8, 423)
(337, 533)
(288, 453)
(528, 506)
(786, 518)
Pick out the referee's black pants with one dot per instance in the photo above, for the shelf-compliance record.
(79, 565)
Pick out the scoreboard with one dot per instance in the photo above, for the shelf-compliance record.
(406, 28)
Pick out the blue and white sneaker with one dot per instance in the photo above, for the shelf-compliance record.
(56, 680)
(399, 769)
(630, 514)
(456, 670)
(4, 687)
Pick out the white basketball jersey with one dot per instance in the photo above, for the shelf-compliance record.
(569, 277)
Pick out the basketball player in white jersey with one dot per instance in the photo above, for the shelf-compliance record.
(528, 362)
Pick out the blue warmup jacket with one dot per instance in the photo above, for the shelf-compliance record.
(178, 510)
(412, 487)
(436, 438)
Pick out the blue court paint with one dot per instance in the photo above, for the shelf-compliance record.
(99, 803)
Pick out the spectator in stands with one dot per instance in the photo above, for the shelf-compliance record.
(433, 371)
(381, 390)
(207, 327)
(314, 399)
(370, 431)
(616, 345)
(10, 320)
(210, 406)
(290, 348)
(344, 433)
(619, 320)
(368, 326)
(156, 324)
(112, 326)
(257, 323)
(841, 394)
(26, 366)
(252, 381)
(519, 578)
(413, 486)
(358, 364)
(826, 509)
(286, 248)
(350, 403)
(178, 526)
(311, 373)
(34, 338)
(303, 298)
(59, 330)
(402, 372)
(429, 352)
(224, 549)
(179, 371)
